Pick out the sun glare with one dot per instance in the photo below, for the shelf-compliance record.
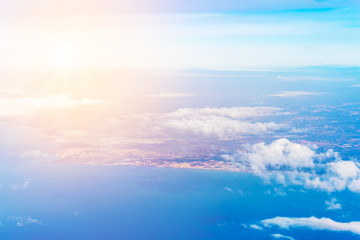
(64, 59)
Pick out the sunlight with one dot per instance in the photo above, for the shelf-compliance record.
(64, 59)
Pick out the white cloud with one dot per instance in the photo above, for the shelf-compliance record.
(332, 204)
(254, 226)
(356, 85)
(229, 189)
(11, 92)
(37, 155)
(276, 192)
(222, 122)
(12, 107)
(279, 154)
(169, 95)
(22, 221)
(277, 235)
(286, 94)
(291, 163)
(232, 112)
(312, 223)
(23, 185)
(221, 127)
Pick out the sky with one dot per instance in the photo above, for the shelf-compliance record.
(178, 35)
(230, 119)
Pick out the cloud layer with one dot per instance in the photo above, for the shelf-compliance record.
(25, 106)
(312, 223)
(94, 131)
(223, 122)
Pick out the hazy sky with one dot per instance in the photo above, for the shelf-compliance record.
(178, 34)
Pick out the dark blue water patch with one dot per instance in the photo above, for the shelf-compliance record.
(125, 202)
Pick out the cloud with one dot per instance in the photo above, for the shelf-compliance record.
(312, 223)
(24, 185)
(37, 155)
(256, 227)
(221, 127)
(229, 189)
(276, 192)
(223, 122)
(13, 107)
(11, 92)
(277, 235)
(278, 155)
(286, 94)
(232, 112)
(103, 136)
(287, 162)
(169, 95)
(22, 221)
(356, 85)
(332, 204)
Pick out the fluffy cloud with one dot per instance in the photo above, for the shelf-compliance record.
(221, 127)
(278, 155)
(286, 94)
(291, 163)
(232, 112)
(312, 223)
(222, 122)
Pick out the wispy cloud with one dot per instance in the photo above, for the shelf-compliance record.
(276, 192)
(286, 94)
(22, 221)
(169, 95)
(23, 106)
(11, 92)
(23, 185)
(256, 227)
(229, 189)
(312, 223)
(36, 154)
(332, 204)
(278, 235)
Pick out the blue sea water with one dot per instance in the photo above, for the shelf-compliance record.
(127, 202)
